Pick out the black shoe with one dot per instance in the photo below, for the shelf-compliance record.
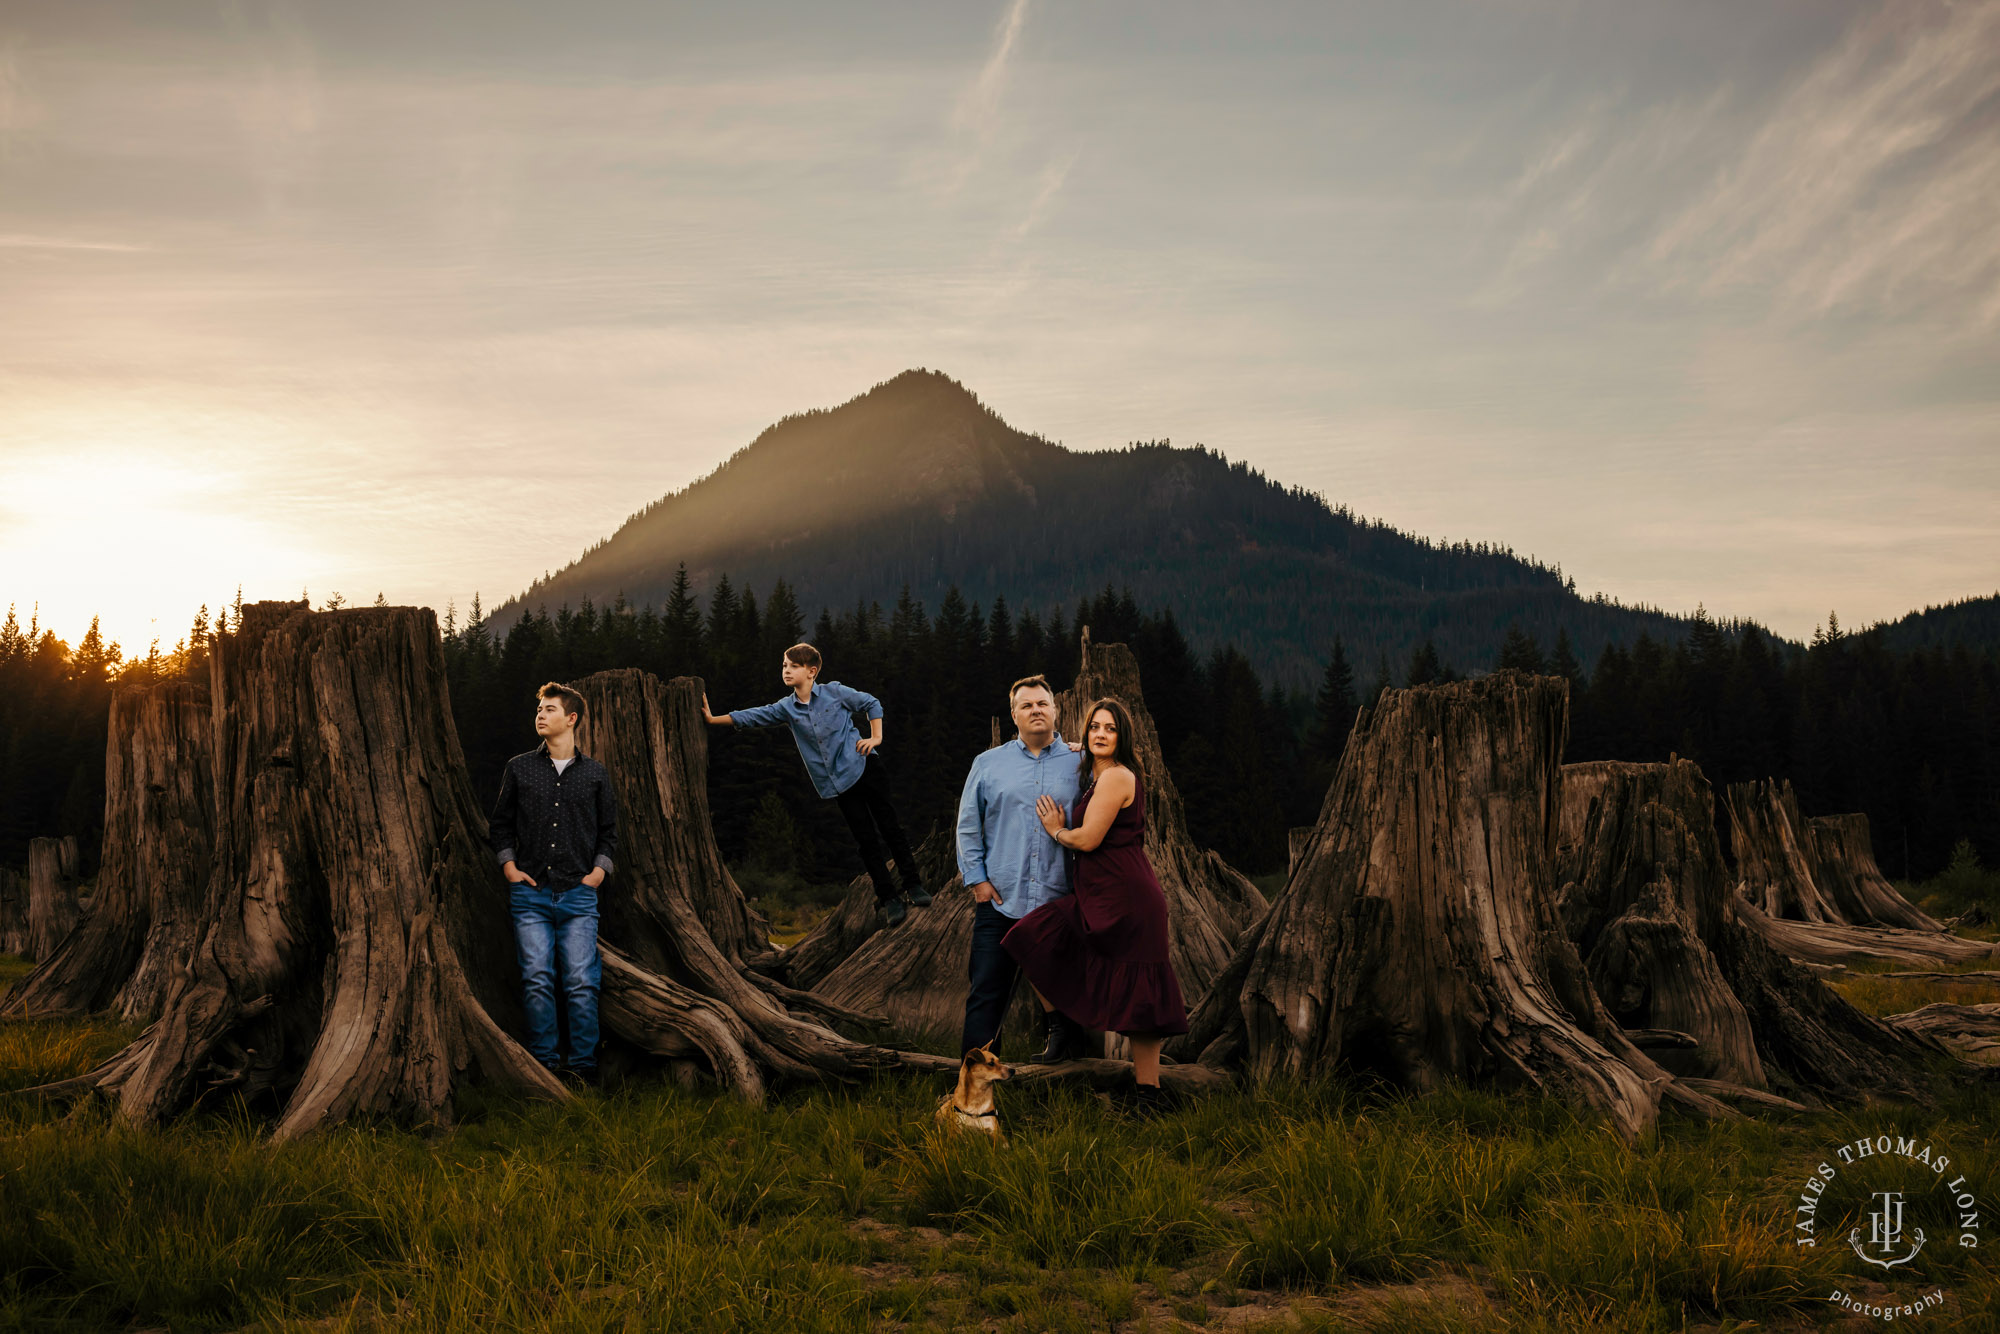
(582, 1076)
(893, 912)
(1066, 1040)
(1150, 1102)
(918, 896)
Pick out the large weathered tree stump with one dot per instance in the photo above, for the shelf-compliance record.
(650, 735)
(687, 961)
(1641, 888)
(159, 793)
(915, 974)
(1648, 900)
(53, 908)
(13, 912)
(1842, 857)
(836, 936)
(1766, 840)
(354, 955)
(1419, 936)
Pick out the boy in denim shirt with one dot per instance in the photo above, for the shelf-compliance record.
(843, 768)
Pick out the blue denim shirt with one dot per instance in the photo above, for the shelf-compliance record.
(824, 729)
(1001, 839)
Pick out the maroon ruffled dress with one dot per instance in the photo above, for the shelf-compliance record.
(1099, 953)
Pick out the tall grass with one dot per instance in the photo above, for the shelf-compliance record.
(648, 1207)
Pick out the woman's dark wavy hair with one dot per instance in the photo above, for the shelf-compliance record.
(1124, 753)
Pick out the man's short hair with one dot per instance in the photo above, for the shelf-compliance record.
(805, 655)
(572, 703)
(1036, 682)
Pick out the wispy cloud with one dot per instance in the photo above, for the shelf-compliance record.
(20, 242)
(979, 105)
(976, 117)
(1872, 182)
(1050, 186)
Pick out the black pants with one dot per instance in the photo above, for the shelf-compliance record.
(873, 820)
(992, 973)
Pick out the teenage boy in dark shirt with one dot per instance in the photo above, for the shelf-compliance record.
(554, 829)
(843, 768)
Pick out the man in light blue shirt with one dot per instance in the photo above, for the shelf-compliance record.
(1009, 862)
(843, 768)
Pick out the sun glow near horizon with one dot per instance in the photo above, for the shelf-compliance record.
(139, 536)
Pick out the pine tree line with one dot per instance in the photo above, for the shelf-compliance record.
(1911, 737)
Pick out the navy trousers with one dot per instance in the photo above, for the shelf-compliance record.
(992, 973)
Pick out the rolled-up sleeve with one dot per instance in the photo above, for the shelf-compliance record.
(762, 715)
(972, 830)
(607, 824)
(500, 827)
(861, 700)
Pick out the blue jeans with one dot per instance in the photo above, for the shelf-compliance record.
(557, 929)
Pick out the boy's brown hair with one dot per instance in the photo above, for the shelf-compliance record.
(572, 703)
(805, 655)
(1038, 681)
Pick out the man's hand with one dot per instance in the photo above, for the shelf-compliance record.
(595, 878)
(516, 876)
(866, 745)
(983, 892)
(706, 716)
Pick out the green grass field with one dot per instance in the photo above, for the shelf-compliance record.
(1297, 1207)
(647, 1207)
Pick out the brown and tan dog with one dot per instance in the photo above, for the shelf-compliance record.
(971, 1106)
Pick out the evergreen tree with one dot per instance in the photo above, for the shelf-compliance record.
(1333, 708)
(1424, 665)
(681, 628)
(1519, 652)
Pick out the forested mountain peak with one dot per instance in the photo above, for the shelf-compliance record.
(917, 484)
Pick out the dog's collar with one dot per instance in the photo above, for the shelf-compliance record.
(962, 1112)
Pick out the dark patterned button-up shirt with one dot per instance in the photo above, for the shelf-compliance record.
(555, 826)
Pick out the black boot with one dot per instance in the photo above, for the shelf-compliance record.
(914, 891)
(1150, 1102)
(893, 911)
(1066, 1040)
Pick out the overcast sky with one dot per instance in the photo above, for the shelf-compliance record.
(1699, 300)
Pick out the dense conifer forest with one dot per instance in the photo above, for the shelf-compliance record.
(1910, 736)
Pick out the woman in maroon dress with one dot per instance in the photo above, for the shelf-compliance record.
(1099, 954)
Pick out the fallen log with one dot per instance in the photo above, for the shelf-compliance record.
(1837, 943)
(141, 928)
(53, 909)
(1972, 1030)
